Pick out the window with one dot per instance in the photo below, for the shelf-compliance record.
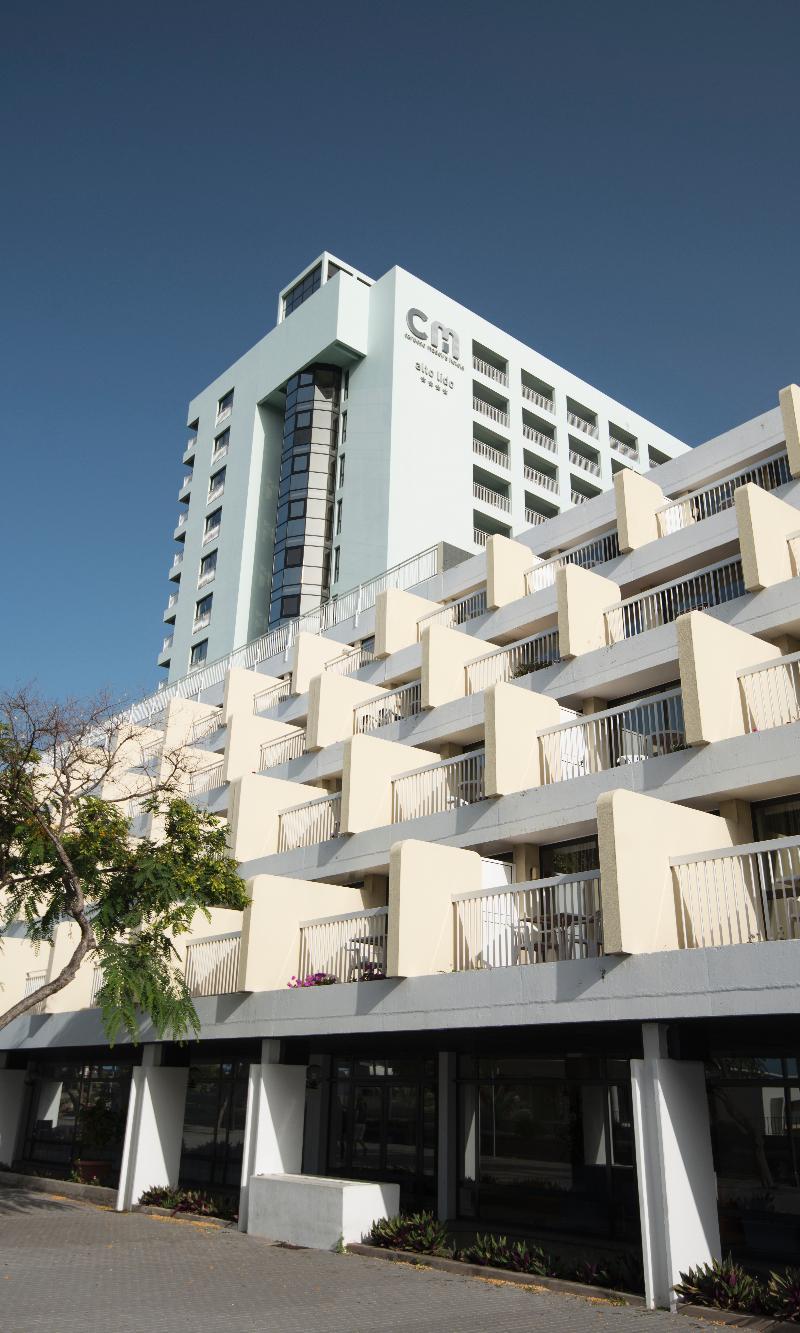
(344, 427)
(225, 405)
(293, 557)
(213, 521)
(341, 471)
(336, 555)
(199, 653)
(297, 508)
(216, 483)
(290, 605)
(338, 517)
(301, 290)
(202, 608)
(346, 383)
(221, 443)
(208, 568)
(300, 463)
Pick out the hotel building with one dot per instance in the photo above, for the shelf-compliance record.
(376, 420)
(543, 838)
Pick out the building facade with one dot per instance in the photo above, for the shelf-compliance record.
(542, 840)
(375, 420)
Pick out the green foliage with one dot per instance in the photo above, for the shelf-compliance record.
(723, 1285)
(783, 1295)
(419, 1233)
(519, 1256)
(189, 1201)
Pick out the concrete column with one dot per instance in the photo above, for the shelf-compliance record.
(675, 1169)
(273, 1135)
(151, 1153)
(447, 1138)
(12, 1109)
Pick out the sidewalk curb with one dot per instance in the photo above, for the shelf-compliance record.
(69, 1189)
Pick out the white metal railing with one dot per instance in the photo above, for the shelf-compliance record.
(212, 965)
(33, 981)
(489, 410)
(391, 706)
(266, 700)
(579, 498)
(283, 749)
(533, 517)
(539, 437)
(151, 757)
(350, 662)
(738, 895)
(493, 455)
(626, 734)
(177, 560)
(182, 517)
(166, 643)
(191, 445)
(349, 947)
(208, 726)
(541, 399)
(446, 785)
(540, 478)
(543, 921)
(770, 693)
(480, 537)
(490, 497)
(720, 495)
(622, 447)
(587, 464)
(454, 614)
(491, 372)
(171, 600)
(312, 822)
(532, 654)
(407, 574)
(596, 552)
(97, 982)
(590, 427)
(711, 586)
(207, 779)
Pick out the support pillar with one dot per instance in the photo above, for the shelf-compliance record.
(151, 1154)
(447, 1138)
(675, 1169)
(273, 1134)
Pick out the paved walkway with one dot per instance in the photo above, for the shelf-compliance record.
(68, 1267)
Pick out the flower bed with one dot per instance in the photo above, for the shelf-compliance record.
(197, 1202)
(725, 1285)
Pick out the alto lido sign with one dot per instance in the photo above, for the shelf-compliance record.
(439, 341)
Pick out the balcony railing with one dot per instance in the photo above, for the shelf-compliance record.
(544, 921)
(268, 699)
(491, 372)
(532, 654)
(627, 734)
(480, 537)
(532, 516)
(738, 895)
(312, 822)
(392, 706)
(208, 726)
(282, 750)
(540, 478)
(172, 600)
(721, 495)
(446, 785)
(539, 437)
(579, 497)
(350, 662)
(97, 982)
(408, 574)
(187, 481)
(493, 455)
(212, 965)
(208, 779)
(350, 947)
(540, 399)
(489, 497)
(711, 586)
(177, 560)
(33, 981)
(181, 523)
(622, 447)
(166, 644)
(454, 614)
(589, 427)
(489, 410)
(771, 693)
(586, 464)
(596, 552)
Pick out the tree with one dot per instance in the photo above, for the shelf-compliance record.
(68, 775)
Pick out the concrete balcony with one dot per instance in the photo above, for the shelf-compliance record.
(589, 465)
(547, 442)
(312, 822)
(456, 613)
(266, 701)
(598, 551)
(507, 664)
(491, 372)
(350, 947)
(282, 750)
(771, 693)
(487, 409)
(540, 399)
(448, 785)
(627, 734)
(176, 566)
(738, 895)
(207, 780)
(492, 498)
(490, 454)
(622, 447)
(541, 921)
(581, 423)
(206, 727)
(720, 495)
(212, 964)
(712, 586)
(388, 707)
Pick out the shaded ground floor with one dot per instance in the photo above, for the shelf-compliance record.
(130, 1271)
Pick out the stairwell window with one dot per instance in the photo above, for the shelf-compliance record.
(336, 555)
(338, 517)
(341, 471)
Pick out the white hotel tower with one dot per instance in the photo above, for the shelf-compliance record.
(375, 421)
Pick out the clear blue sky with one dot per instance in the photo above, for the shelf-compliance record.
(614, 181)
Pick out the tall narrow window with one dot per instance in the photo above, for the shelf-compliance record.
(341, 471)
(338, 517)
(344, 427)
(336, 555)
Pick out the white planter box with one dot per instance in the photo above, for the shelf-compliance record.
(317, 1211)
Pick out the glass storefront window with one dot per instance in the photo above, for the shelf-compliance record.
(213, 1125)
(76, 1118)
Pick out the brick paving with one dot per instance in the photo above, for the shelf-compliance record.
(68, 1267)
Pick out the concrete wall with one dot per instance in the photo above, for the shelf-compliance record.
(370, 765)
(789, 400)
(270, 948)
(255, 805)
(507, 562)
(710, 654)
(583, 597)
(445, 653)
(396, 616)
(308, 656)
(422, 880)
(765, 523)
(513, 719)
(151, 1152)
(638, 499)
(331, 700)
